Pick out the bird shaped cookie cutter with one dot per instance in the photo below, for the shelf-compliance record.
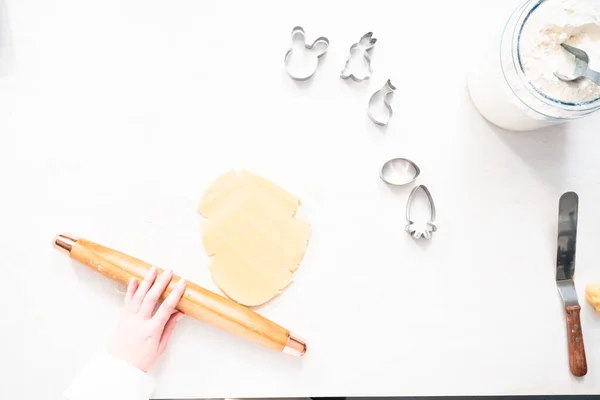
(582, 69)
(424, 228)
(361, 52)
(385, 94)
(302, 60)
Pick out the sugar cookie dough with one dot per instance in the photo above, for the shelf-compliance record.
(252, 235)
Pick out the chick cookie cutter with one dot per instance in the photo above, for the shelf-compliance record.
(420, 229)
(308, 54)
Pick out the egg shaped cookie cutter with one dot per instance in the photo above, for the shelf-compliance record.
(399, 172)
(420, 229)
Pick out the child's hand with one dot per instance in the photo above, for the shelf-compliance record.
(142, 334)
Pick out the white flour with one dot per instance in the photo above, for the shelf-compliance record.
(576, 22)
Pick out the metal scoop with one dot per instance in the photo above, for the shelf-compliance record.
(581, 67)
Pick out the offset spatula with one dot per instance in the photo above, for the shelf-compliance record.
(565, 270)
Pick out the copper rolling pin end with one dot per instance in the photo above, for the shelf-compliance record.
(64, 242)
(197, 302)
(295, 346)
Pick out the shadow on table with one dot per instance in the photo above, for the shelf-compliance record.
(6, 51)
(543, 150)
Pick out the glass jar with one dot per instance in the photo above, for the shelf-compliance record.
(502, 92)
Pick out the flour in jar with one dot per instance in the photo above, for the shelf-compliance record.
(575, 22)
(505, 90)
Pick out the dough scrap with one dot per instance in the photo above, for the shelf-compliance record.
(592, 294)
(252, 235)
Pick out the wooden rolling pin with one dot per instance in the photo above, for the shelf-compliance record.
(196, 302)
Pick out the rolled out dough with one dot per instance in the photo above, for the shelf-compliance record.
(252, 235)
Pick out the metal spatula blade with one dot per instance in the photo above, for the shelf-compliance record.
(568, 208)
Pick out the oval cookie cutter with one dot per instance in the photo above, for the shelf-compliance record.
(420, 229)
(315, 50)
(399, 171)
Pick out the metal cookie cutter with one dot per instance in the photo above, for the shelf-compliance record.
(360, 52)
(423, 228)
(399, 171)
(382, 96)
(302, 60)
(582, 69)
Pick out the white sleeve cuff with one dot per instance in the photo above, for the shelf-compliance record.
(109, 377)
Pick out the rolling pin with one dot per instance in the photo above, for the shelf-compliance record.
(196, 301)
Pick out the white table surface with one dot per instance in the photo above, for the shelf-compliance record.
(116, 115)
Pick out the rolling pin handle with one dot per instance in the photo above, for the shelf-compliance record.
(64, 242)
(295, 346)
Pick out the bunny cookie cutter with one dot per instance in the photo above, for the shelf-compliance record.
(306, 55)
(360, 51)
(424, 228)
